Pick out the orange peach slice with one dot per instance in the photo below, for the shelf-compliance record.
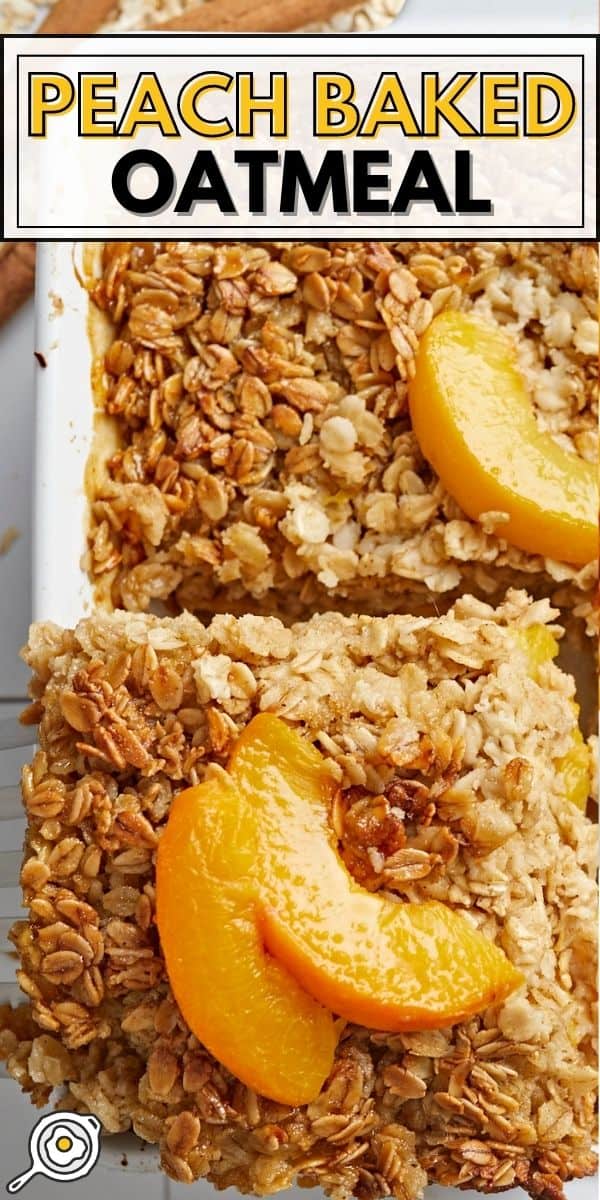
(575, 767)
(247, 868)
(475, 424)
(243, 1005)
(576, 771)
(383, 964)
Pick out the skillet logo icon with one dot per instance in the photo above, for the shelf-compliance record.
(62, 1146)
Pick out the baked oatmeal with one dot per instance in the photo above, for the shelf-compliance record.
(266, 458)
(449, 738)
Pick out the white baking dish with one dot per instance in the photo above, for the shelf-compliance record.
(63, 435)
(61, 591)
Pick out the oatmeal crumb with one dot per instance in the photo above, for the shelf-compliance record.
(447, 755)
(259, 392)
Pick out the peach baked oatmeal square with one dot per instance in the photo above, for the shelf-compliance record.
(263, 454)
(457, 781)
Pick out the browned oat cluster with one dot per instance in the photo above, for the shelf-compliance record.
(448, 756)
(266, 457)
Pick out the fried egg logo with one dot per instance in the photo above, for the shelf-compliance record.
(62, 1146)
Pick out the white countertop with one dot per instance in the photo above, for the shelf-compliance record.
(509, 17)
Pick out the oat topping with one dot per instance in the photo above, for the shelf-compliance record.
(446, 752)
(266, 456)
(263, 464)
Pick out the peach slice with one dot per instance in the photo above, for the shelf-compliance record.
(575, 766)
(475, 424)
(381, 963)
(261, 924)
(576, 770)
(243, 1005)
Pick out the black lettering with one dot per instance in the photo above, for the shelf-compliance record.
(331, 177)
(256, 161)
(195, 191)
(363, 181)
(410, 190)
(464, 201)
(121, 178)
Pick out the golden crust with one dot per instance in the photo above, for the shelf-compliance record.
(447, 754)
(267, 459)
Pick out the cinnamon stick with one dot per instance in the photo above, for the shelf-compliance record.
(74, 17)
(254, 16)
(81, 17)
(17, 265)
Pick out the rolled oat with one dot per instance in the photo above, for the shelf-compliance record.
(266, 454)
(448, 755)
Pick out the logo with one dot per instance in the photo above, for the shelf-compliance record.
(62, 1146)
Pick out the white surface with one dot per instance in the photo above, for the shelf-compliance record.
(63, 437)
(510, 16)
(16, 1114)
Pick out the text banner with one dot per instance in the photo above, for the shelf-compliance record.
(379, 136)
